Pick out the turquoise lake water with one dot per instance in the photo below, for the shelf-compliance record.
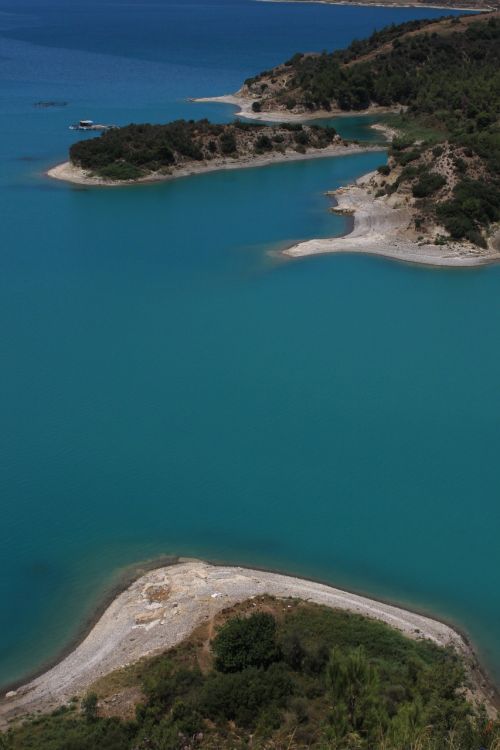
(169, 384)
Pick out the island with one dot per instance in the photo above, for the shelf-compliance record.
(437, 200)
(139, 153)
(194, 655)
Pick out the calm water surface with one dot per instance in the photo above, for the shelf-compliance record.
(170, 385)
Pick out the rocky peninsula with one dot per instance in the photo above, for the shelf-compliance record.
(384, 225)
(437, 201)
(161, 608)
(150, 153)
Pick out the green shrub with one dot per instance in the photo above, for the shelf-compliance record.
(301, 138)
(474, 205)
(241, 696)
(163, 684)
(246, 642)
(406, 157)
(228, 143)
(401, 143)
(297, 57)
(292, 650)
(89, 706)
(428, 183)
(263, 143)
(120, 171)
(476, 238)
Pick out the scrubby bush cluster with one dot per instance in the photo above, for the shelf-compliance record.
(315, 678)
(474, 204)
(464, 211)
(428, 183)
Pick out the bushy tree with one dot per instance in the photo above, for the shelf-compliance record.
(354, 686)
(246, 642)
(428, 184)
(89, 706)
(241, 696)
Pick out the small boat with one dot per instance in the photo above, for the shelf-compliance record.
(90, 125)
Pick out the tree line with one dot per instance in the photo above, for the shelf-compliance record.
(133, 151)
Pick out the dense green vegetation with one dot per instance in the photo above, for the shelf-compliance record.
(449, 86)
(300, 677)
(134, 151)
(474, 204)
(453, 77)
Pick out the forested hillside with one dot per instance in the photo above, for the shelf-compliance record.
(453, 75)
(445, 80)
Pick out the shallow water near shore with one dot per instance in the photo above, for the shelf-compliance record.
(170, 384)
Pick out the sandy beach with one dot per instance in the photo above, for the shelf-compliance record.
(384, 226)
(162, 607)
(70, 173)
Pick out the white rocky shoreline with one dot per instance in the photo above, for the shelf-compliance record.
(384, 226)
(161, 608)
